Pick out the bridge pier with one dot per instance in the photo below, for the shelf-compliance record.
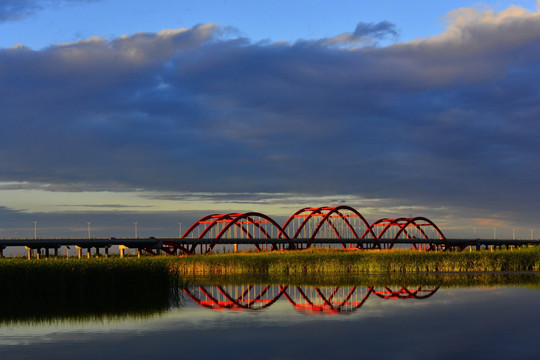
(79, 251)
(122, 248)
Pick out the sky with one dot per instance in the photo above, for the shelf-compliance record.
(115, 111)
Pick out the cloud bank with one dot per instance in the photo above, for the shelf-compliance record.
(13, 10)
(451, 120)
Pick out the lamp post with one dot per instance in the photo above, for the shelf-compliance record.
(179, 229)
(532, 230)
(89, 222)
(35, 229)
(136, 223)
(514, 233)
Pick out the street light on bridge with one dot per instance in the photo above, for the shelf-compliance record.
(89, 222)
(179, 229)
(136, 235)
(35, 229)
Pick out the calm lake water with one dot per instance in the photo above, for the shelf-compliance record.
(290, 322)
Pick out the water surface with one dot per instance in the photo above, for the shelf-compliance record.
(303, 322)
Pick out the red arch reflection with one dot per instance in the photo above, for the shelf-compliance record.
(310, 300)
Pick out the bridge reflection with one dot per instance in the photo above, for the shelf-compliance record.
(306, 299)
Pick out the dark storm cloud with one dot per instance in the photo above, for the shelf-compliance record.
(13, 10)
(450, 120)
(367, 33)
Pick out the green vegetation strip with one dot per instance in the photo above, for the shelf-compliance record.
(319, 261)
(46, 289)
(444, 280)
(79, 289)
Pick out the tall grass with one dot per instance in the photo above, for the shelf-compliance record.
(48, 289)
(325, 261)
(433, 279)
(81, 288)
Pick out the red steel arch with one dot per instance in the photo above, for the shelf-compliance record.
(249, 220)
(402, 225)
(220, 224)
(327, 213)
(340, 222)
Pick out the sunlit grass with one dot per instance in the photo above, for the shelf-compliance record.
(346, 262)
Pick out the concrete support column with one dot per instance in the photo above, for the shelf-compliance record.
(106, 251)
(122, 248)
(79, 251)
(29, 252)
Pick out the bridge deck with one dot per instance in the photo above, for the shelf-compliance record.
(157, 243)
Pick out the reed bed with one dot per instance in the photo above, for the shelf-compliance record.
(81, 289)
(432, 279)
(40, 290)
(319, 261)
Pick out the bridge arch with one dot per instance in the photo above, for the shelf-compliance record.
(319, 219)
(250, 225)
(411, 228)
(242, 221)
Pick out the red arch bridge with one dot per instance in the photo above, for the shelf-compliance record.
(307, 227)
(329, 300)
(341, 226)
